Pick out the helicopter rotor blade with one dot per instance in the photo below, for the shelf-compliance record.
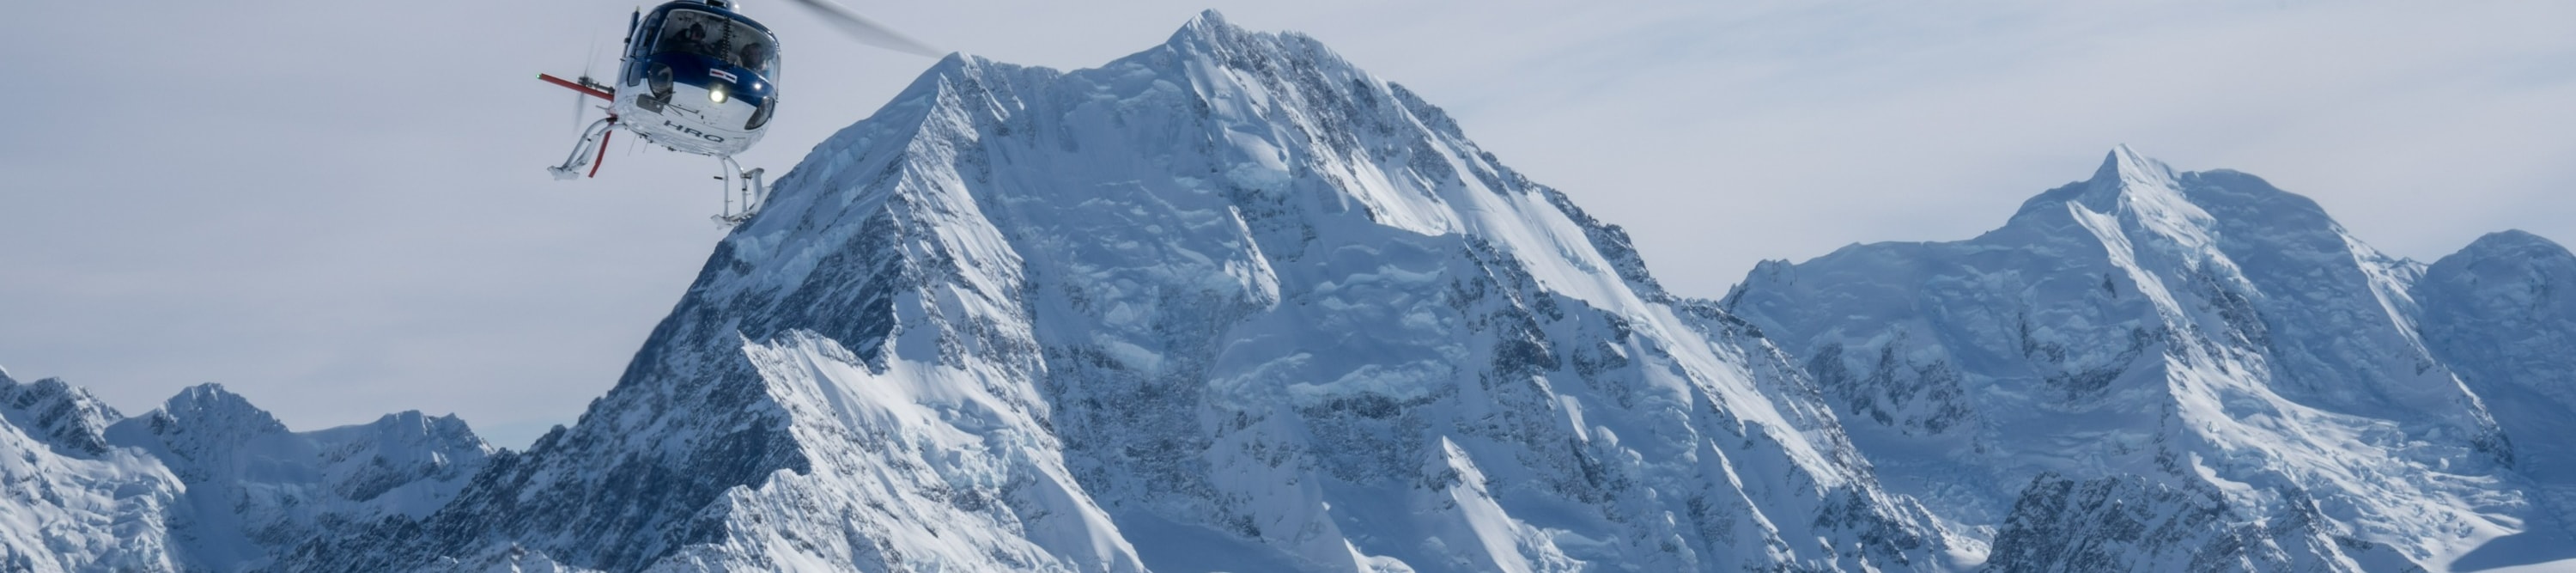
(869, 31)
(580, 109)
(580, 101)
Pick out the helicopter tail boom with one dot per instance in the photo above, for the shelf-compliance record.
(584, 86)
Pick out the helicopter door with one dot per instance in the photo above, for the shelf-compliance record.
(639, 42)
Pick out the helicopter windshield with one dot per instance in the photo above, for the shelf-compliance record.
(715, 36)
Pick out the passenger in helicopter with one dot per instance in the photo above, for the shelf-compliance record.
(755, 56)
(693, 39)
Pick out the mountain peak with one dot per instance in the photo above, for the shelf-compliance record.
(2517, 241)
(2194, 209)
(1210, 19)
(2133, 181)
(2503, 277)
(210, 404)
(1210, 27)
(2132, 187)
(414, 423)
(2136, 181)
(2126, 166)
(65, 415)
(1210, 37)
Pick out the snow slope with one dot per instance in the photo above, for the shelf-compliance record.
(1230, 303)
(2502, 313)
(2186, 346)
(72, 502)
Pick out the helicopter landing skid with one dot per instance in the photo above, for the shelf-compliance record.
(742, 188)
(594, 137)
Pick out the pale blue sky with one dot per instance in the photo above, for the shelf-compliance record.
(339, 209)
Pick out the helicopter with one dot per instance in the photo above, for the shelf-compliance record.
(699, 77)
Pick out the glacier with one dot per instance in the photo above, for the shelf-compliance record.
(1232, 303)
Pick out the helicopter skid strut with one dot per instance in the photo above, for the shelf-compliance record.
(593, 138)
(744, 191)
(744, 188)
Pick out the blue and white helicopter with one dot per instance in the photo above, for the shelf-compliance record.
(699, 77)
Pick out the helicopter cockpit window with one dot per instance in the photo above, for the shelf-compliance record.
(715, 36)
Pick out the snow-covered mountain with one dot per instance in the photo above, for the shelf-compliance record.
(1231, 303)
(72, 501)
(2502, 314)
(208, 482)
(1228, 303)
(2185, 371)
(255, 489)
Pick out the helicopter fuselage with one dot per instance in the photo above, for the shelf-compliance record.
(698, 78)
